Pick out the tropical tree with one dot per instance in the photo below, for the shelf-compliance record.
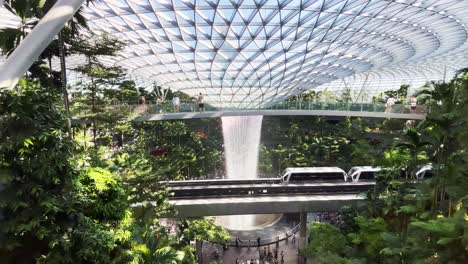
(100, 77)
(413, 142)
(53, 210)
(29, 13)
(152, 245)
(204, 229)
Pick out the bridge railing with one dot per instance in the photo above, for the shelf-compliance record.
(80, 110)
(264, 241)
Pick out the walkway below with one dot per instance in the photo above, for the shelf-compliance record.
(245, 254)
(286, 226)
(215, 114)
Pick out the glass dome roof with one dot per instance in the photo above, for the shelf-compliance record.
(253, 53)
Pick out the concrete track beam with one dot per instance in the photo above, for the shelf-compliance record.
(259, 205)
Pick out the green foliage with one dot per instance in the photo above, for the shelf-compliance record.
(447, 235)
(369, 235)
(101, 78)
(205, 230)
(422, 221)
(126, 93)
(102, 194)
(304, 142)
(325, 238)
(328, 245)
(329, 257)
(28, 13)
(152, 245)
(346, 96)
(202, 229)
(181, 150)
(363, 153)
(52, 212)
(401, 94)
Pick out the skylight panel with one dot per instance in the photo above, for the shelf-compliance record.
(285, 46)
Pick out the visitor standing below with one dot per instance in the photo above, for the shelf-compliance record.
(176, 103)
(201, 103)
(142, 107)
(390, 102)
(413, 103)
(142, 100)
(158, 107)
(193, 102)
(258, 241)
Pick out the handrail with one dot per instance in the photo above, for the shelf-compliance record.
(268, 241)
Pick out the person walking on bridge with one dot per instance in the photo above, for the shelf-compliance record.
(201, 103)
(413, 103)
(176, 103)
(390, 102)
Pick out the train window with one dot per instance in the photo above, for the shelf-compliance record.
(301, 177)
(428, 174)
(367, 175)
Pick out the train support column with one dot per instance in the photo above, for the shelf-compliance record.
(302, 236)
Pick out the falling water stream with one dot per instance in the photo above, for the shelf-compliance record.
(241, 146)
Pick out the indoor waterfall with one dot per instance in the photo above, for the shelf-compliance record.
(241, 146)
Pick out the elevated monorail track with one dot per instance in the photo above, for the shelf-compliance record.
(260, 196)
(257, 188)
(220, 182)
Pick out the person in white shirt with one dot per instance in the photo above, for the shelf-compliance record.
(390, 102)
(413, 103)
(193, 104)
(201, 103)
(176, 103)
(158, 106)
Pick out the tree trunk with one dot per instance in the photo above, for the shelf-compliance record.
(63, 69)
(49, 59)
(93, 111)
(199, 250)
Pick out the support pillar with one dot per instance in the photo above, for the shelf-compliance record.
(16, 65)
(302, 235)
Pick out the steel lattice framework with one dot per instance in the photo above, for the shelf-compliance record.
(249, 53)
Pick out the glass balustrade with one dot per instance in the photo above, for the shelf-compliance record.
(189, 107)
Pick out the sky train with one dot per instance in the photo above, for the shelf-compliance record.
(305, 174)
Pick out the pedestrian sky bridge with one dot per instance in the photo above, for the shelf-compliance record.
(158, 112)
